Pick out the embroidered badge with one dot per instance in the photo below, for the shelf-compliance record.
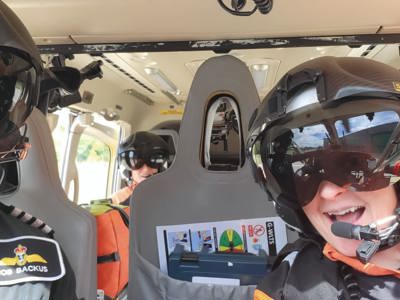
(30, 258)
(396, 86)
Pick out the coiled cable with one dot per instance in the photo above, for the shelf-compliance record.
(264, 6)
(350, 282)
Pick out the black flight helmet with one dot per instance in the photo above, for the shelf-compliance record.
(334, 119)
(142, 148)
(20, 74)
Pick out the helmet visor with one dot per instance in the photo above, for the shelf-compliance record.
(134, 160)
(18, 93)
(359, 151)
(9, 177)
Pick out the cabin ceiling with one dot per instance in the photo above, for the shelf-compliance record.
(95, 21)
(118, 21)
(180, 67)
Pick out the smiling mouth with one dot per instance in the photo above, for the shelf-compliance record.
(348, 215)
(146, 176)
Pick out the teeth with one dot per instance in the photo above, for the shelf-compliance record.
(343, 212)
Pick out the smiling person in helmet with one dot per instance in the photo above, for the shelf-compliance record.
(324, 145)
(32, 265)
(140, 156)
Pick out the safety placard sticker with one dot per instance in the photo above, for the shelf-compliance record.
(256, 236)
(30, 259)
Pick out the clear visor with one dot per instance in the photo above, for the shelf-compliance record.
(360, 151)
(18, 94)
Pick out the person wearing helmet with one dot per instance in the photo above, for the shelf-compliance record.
(32, 265)
(324, 145)
(140, 156)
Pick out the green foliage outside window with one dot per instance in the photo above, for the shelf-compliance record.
(90, 149)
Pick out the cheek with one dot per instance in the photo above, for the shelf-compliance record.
(136, 177)
(312, 211)
(317, 218)
(382, 203)
(309, 210)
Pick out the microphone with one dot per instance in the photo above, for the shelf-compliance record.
(357, 232)
(378, 230)
(368, 247)
(378, 235)
(346, 230)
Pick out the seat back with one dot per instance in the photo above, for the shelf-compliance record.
(189, 193)
(42, 195)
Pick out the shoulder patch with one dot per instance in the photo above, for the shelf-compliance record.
(30, 259)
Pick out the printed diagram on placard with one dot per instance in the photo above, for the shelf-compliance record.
(230, 241)
(202, 240)
(178, 237)
(256, 238)
(262, 236)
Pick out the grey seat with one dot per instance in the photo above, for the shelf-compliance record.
(42, 195)
(188, 193)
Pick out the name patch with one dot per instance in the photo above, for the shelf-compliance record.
(30, 259)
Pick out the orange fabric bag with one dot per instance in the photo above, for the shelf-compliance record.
(112, 249)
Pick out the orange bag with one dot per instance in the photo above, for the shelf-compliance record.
(112, 249)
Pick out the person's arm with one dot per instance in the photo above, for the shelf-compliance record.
(24, 151)
(65, 287)
(123, 194)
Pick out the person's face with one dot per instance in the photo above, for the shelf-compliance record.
(334, 203)
(143, 173)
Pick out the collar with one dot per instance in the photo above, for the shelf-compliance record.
(368, 268)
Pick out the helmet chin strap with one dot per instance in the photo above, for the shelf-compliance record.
(379, 235)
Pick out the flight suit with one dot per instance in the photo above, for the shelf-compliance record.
(32, 264)
(306, 271)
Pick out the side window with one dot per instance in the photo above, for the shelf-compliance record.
(60, 135)
(93, 161)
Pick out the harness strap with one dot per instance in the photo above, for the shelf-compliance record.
(108, 258)
(295, 247)
(124, 215)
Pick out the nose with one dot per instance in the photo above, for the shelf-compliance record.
(330, 191)
(147, 170)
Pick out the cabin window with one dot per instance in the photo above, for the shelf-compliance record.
(92, 162)
(223, 140)
(60, 135)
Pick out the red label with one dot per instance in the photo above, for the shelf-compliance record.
(251, 231)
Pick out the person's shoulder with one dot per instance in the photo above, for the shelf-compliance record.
(291, 251)
(20, 222)
(289, 277)
(291, 258)
(272, 285)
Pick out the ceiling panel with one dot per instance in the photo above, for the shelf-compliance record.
(160, 20)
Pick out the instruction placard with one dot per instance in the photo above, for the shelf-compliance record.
(247, 235)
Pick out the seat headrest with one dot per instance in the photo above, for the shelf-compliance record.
(218, 75)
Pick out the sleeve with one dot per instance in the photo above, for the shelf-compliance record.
(271, 287)
(65, 287)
